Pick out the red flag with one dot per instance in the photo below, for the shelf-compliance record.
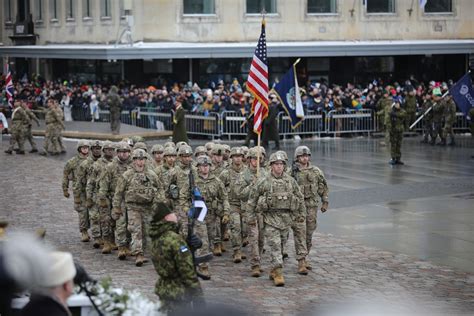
(257, 82)
(9, 89)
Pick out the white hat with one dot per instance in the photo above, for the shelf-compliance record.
(61, 269)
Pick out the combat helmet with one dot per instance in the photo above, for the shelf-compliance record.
(302, 150)
(107, 145)
(123, 146)
(200, 150)
(278, 156)
(157, 149)
(140, 145)
(82, 143)
(283, 153)
(139, 154)
(169, 144)
(209, 146)
(253, 152)
(169, 151)
(96, 143)
(203, 160)
(226, 147)
(217, 150)
(185, 150)
(235, 151)
(137, 139)
(179, 144)
(245, 149)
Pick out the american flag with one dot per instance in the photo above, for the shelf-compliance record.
(9, 89)
(257, 82)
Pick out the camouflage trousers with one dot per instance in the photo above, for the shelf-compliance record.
(448, 131)
(107, 224)
(237, 226)
(311, 225)
(29, 137)
(17, 137)
(52, 139)
(436, 131)
(115, 122)
(138, 226)
(256, 238)
(396, 144)
(182, 214)
(299, 235)
(213, 227)
(80, 207)
(274, 238)
(94, 218)
(121, 232)
(200, 229)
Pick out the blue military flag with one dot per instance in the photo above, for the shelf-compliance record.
(463, 94)
(288, 92)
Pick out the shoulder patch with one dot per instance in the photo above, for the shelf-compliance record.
(183, 248)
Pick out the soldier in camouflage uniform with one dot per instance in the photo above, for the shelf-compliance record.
(410, 107)
(449, 119)
(254, 219)
(107, 184)
(215, 196)
(382, 105)
(178, 285)
(157, 153)
(226, 155)
(281, 197)
(28, 128)
(53, 132)
(396, 125)
(138, 187)
(164, 173)
(200, 151)
(20, 119)
(234, 183)
(70, 175)
(83, 172)
(60, 127)
(105, 221)
(315, 190)
(427, 119)
(438, 115)
(115, 105)
(209, 146)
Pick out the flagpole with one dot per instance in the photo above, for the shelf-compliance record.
(427, 111)
(258, 155)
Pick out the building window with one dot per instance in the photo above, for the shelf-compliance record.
(8, 10)
(322, 6)
(198, 7)
(69, 10)
(38, 11)
(105, 9)
(86, 9)
(54, 10)
(257, 6)
(380, 6)
(439, 6)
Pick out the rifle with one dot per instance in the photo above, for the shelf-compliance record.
(193, 214)
(294, 169)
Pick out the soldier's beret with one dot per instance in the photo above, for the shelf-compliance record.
(160, 211)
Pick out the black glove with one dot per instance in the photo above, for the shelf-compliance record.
(5, 131)
(194, 242)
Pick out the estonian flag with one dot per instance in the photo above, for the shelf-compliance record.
(288, 92)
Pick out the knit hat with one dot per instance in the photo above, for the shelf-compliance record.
(61, 269)
(160, 211)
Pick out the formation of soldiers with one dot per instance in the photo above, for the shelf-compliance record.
(21, 129)
(252, 200)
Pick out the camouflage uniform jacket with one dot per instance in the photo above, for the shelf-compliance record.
(233, 179)
(397, 120)
(250, 178)
(449, 111)
(32, 117)
(410, 104)
(70, 172)
(173, 261)
(109, 177)
(438, 111)
(138, 188)
(313, 185)
(92, 185)
(53, 117)
(180, 177)
(279, 199)
(165, 173)
(83, 173)
(214, 194)
(216, 169)
(20, 119)
(382, 105)
(426, 105)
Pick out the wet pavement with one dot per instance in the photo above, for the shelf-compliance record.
(398, 234)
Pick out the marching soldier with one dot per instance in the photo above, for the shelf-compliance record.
(164, 173)
(70, 175)
(20, 119)
(54, 124)
(28, 132)
(157, 153)
(427, 120)
(438, 113)
(449, 119)
(281, 197)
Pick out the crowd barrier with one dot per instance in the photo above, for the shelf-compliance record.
(230, 124)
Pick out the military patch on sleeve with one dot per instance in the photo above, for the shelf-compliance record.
(183, 248)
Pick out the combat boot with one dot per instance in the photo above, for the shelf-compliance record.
(222, 247)
(217, 250)
(34, 150)
(278, 279)
(271, 276)
(243, 255)
(107, 247)
(399, 162)
(122, 253)
(85, 236)
(226, 236)
(237, 256)
(8, 151)
(43, 153)
(139, 260)
(204, 272)
(245, 242)
(256, 271)
(302, 267)
(20, 152)
(97, 243)
(114, 245)
(308, 265)
(392, 162)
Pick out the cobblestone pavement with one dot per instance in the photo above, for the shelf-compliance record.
(345, 273)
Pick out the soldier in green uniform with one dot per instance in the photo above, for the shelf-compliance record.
(52, 134)
(28, 131)
(214, 194)
(105, 221)
(107, 184)
(20, 119)
(449, 119)
(115, 107)
(179, 122)
(314, 188)
(395, 128)
(178, 285)
(70, 175)
(83, 172)
(427, 119)
(138, 188)
(438, 115)
(410, 107)
(382, 104)
(233, 180)
(281, 198)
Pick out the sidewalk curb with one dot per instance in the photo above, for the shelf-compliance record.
(107, 136)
